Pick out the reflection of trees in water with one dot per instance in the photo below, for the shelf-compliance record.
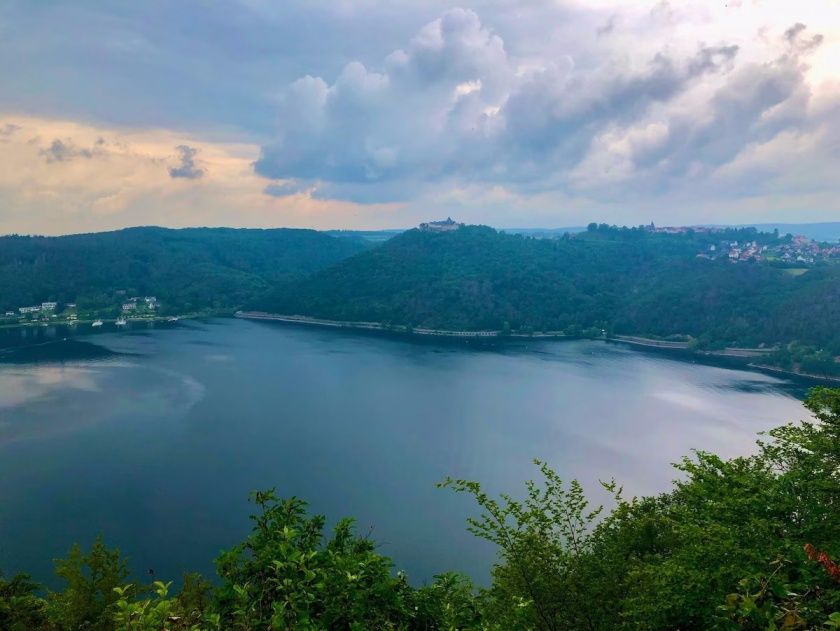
(57, 350)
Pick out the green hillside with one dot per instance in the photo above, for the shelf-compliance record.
(188, 269)
(625, 281)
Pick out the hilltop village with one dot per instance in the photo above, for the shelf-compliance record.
(770, 247)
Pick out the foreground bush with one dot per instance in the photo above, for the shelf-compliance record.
(747, 543)
(743, 543)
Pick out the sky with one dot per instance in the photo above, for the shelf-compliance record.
(370, 114)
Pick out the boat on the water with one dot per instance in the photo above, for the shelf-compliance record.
(97, 323)
(121, 322)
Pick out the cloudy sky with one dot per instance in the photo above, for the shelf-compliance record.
(375, 113)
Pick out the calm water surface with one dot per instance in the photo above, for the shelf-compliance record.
(154, 437)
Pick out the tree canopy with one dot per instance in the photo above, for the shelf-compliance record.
(187, 269)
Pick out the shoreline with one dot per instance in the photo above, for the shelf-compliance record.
(803, 375)
(634, 340)
(736, 352)
(129, 320)
(732, 353)
(737, 356)
(402, 329)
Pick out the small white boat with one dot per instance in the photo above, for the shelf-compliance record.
(172, 319)
(97, 323)
(121, 322)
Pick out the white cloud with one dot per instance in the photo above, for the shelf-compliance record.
(512, 113)
(655, 106)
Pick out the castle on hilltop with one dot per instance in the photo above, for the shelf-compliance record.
(440, 226)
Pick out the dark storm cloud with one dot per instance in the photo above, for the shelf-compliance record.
(64, 150)
(607, 27)
(8, 129)
(187, 168)
(794, 37)
(285, 188)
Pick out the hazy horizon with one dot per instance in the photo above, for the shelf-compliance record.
(833, 226)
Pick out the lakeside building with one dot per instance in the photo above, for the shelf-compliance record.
(129, 306)
(440, 226)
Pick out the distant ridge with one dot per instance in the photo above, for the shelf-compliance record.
(824, 231)
(819, 231)
(544, 232)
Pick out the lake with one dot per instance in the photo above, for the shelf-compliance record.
(155, 436)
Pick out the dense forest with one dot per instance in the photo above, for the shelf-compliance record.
(619, 280)
(187, 270)
(604, 280)
(748, 543)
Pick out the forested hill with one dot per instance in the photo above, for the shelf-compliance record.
(187, 269)
(627, 281)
